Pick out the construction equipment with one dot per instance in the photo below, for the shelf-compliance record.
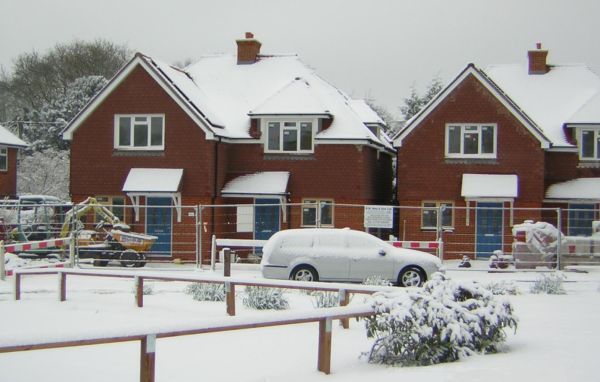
(111, 239)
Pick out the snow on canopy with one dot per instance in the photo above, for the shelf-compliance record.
(489, 185)
(153, 180)
(9, 139)
(260, 183)
(582, 188)
(551, 99)
(228, 94)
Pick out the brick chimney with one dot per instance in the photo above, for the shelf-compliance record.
(248, 49)
(537, 60)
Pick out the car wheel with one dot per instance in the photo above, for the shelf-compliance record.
(411, 277)
(304, 273)
(129, 258)
(141, 261)
(100, 263)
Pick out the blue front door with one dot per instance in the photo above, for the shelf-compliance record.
(266, 218)
(581, 217)
(159, 223)
(488, 229)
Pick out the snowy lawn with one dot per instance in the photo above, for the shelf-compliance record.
(556, 339)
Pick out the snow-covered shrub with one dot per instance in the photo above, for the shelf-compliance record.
(206, 292)
(376, 280)
(265, 298)
(323, 299)
(549, 284)
(12, 261)
(439, 323)
(502, 287)
(147, 289)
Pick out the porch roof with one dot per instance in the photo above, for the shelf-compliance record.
(581, 188)
(257, 184)
(149, 180)
(489, 186)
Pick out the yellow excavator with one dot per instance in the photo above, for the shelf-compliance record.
(111, 239)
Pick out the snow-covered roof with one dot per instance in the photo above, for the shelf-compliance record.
(260, 183)
(9, 139)
(365, 112)
(489, 186)
(549, 99)
(153, 180)
(588, 113)
(582, 188)
(295, 98)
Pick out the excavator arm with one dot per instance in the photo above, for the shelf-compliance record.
(81, 209)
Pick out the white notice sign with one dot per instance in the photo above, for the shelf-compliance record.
(379, 217)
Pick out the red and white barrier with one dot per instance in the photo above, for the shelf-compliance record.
(23, 247)
(433, 245)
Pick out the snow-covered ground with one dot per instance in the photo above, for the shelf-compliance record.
(556, 339)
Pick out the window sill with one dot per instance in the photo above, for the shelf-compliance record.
(589, 164)
(291, 156)
(138, 153)
(486, 161)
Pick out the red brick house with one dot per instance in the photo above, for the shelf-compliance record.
(230, 129)
(498, 140)
(10, 145)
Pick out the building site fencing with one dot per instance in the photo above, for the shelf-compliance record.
(188, 234)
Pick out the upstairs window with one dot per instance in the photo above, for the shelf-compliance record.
(471, 141)
(289, 136)
(3, 159)
(589, 149)
(140, 132)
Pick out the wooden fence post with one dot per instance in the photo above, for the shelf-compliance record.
(227, 262)
(62, 286)
(17, 289)
(230, 298)
(324, 357)
(344, 297)
(147, 358)
(139, 291)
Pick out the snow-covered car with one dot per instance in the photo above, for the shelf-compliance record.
(343, 255)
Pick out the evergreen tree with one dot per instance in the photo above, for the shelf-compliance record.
(414, 103)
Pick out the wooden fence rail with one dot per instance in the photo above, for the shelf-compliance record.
(344, 290)
(148, 340)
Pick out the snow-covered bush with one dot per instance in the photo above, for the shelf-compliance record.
(549, 284)
(265, 298)
(502, 287)
(323, 299)
(147, 289)
(206, 292)
(12, 261)
(376, 280)
(439, 323)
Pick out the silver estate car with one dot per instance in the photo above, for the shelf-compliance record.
(344, 255)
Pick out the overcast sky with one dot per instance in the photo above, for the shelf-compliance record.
(369, 48)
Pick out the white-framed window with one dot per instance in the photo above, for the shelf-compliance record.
(290, 135)
(317, 213)
(429, 214)
(3, 159)
(140, 132)
(471, 140)
(589, 144)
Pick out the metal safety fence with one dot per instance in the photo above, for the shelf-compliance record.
(133, 236)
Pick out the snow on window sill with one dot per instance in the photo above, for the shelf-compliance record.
(589, 164)
(292, 156)
(138, 153)
(487, 161)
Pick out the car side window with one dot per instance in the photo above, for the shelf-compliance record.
(361, 241)
(330, 240)
(299, 241)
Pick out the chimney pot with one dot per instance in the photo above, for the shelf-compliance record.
(538, 45)
(250, 35)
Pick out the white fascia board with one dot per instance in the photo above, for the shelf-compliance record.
(471, 70)
(116, 81)
(563, 149)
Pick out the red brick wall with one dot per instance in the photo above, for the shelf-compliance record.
(8, 179)
(562, 166)
(97, 169)
(425, 174)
